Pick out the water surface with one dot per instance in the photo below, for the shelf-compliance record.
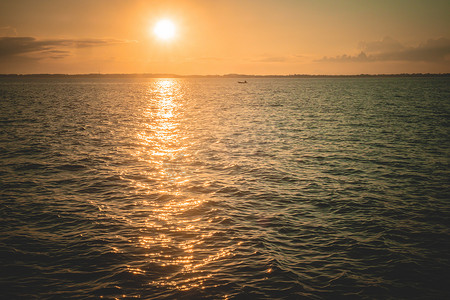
(205, 188)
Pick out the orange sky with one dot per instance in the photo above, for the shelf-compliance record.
(225, 36)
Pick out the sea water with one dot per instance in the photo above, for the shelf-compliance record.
(209, 189)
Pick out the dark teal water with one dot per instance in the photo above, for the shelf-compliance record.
(205, 188)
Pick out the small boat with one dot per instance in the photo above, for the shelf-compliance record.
(245, 81)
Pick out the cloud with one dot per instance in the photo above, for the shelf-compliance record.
(272, 59)
(208, 58)
(388, 49)
(387, 44)
(278, 59)
(361, 57)
(97, 42)
(8, 31)
(33, 48)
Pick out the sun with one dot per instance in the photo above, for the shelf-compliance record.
(164, 29)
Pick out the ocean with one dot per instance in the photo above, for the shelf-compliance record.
(203, 188)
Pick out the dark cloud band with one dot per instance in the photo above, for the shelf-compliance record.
(434, 50)
(19, 46)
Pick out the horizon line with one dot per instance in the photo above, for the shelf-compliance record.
(229, 75)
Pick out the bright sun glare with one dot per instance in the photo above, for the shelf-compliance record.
(164, 29)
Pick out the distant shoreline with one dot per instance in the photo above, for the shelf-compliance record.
(150, 75)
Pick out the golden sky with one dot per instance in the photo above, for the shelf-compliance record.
(225, 36)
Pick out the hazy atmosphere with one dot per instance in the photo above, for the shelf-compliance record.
(220, 37)
(143, 157)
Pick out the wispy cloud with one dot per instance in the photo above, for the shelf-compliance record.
(278, 59)
(271, 59)
(208, 58)
(97, 42)
(388, 49)
(8, 31)
(56, 48)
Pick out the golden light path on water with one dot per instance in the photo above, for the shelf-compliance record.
(173, 236)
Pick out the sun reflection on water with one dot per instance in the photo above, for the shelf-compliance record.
(175, 230)
(162, 132)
